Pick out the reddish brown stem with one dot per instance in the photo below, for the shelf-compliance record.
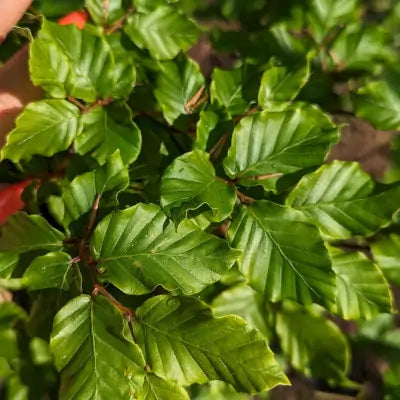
(92, 216)
(195, 101)
(246, 114)
(243, 198)
(98, 103)
(119, 23)
(129, 314)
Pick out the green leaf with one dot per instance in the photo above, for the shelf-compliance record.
(145, 6)
(283, 257)
(138, 249)
(164, 32)
(339, 199)
(80, 195)
(90, 351)
(379, 103)
(45, 127)
(156, 388)
(217, 390)
(182, 341)
(105, 12)
(226, 90)
(362, 289)
(243, 301)
(8, 262)
(360, 47)
(177, 83)
(327, 14)
(67, 61)
(279, 142)
(208, 121)
(313, 344)
(281, 83)
(190, 182)
(24, 233)
(106, 130)
(54, 270)
(386, 253)
(51, 8)
(124, 67)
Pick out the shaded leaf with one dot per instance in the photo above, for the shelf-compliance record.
(362, 289)
(138, 249)
(80, 195)
(45, 127)
(90, 351)
(24, 233)
(177, 83)
(379, 103)
(243, 301)
(54, 270)
(106, 130)
(346, 208)
(8, 262)
(313, 344)
(226, 90)
(386, 253)
(163, 31)
(182, 341)
(190, 182)
(283, 257)
(281, 83)
(105, 12)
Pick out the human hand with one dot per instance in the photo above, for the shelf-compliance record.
(16, 88)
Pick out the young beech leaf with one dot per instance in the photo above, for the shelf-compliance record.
(283, 257)
(156, 388)
(182, 341)
(163, 31)
(105, 130)
(339, 199)
(105, 12)
(379, 103)
(138, 249)
(327, 14)
(190, 182)
(24, 233)
(313, 344)
(45, 128)
(226, 90)
(8, 262)
(90, 351)
(360, 47)
(177, 83)
(362, 289)
(54, 270)
(67, 61)
(386, 253)
(80, 195)
(243, 301)
(281, 83)
(279, 142)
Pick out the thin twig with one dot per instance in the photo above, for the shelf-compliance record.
(244, 199)
(76, 102)
(195, 101)
(98, 103)
(246, 114)
(129, 313)
(92, 216)
(119, 23)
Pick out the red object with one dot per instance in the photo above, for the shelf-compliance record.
(77, 18)
(10, 199)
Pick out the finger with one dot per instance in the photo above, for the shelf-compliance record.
(16, 90)
(11, 12)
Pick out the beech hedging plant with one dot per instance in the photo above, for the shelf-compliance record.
(178, 223)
